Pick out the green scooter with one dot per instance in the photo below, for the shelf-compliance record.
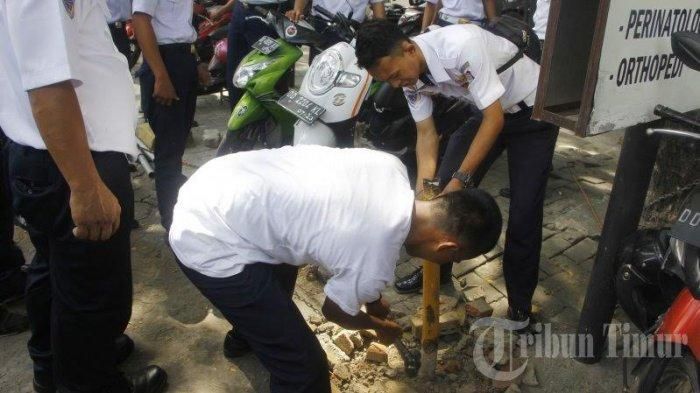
(258, 120)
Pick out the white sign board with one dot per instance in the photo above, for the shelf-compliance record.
(637, 67)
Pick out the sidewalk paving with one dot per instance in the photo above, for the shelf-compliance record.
(175, 327)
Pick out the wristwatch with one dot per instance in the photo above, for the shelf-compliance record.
(465, 178)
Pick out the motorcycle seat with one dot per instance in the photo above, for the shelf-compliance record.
(390, 98)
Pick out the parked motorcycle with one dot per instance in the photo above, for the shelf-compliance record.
(211, 45)
(259, 119)
(411, 21)
(658, 281)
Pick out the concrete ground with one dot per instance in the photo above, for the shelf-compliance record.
(175, 327)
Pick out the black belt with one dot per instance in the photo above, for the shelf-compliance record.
(281, 7)
(116, 25)
(176, 48)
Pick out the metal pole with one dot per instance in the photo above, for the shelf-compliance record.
(629, 191)
(431, 301)
(431, 319)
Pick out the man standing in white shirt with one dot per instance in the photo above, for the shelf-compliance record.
(119, 13)
(452, 12)
(71, 185)
(356, 10)
(168, 78)
(245, 222)
(540, 19)
(469, 62)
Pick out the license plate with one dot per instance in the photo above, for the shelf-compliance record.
(266, 45)
(687, 227)
(301, 107)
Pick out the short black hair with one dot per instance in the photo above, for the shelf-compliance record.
(472, 216)
(377, 38)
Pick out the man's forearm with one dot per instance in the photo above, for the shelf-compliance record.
(378, 10)
(428, 15)
(490, 9)
(146, 38)
(299, 5)
(427, 144)
(362, 320)
(57, 114)
(485, 137)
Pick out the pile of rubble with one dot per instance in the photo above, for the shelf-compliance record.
(359, 364)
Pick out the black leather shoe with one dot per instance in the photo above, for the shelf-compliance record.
(124, 347)
(152, 379)
(11, 323)
(414, 281)
(234, 346)
(533, 326)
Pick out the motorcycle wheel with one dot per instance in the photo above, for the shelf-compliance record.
(262, 134)
(670, 375)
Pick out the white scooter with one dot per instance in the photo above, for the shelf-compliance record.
(331, 93)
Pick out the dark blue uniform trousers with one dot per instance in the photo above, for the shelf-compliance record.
(78, 292)
(530, 146)
(171, 124)
(258, 303)
(11, 258)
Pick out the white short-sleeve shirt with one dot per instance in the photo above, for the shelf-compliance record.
(471, 9)
(171, 20)
(358, 7)
(46, 42)
(347, 210)
(119, 10)
(462, 62)
(540, 18)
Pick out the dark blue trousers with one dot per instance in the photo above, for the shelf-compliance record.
(78, 292)
(242, 33)
(530, 146)
(12, 279)
(258, 303)
(171, 124)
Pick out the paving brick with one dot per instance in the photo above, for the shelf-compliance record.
(473, 293)
(491, 293)
(582, 250)
(377, 353)
(500, 285)
(572, 267)
(500, 307)
(450, 322)
(494, 253)
(334, 354)
(491, 270)
(342, 340)
(554, 246)
(548, 266)
(471, 280)
(467, 266)
(479, 308)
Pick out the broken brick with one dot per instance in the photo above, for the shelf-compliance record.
(377, 353)
(479, 308)
(342, 340)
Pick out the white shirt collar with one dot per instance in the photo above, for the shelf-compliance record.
(435, 67)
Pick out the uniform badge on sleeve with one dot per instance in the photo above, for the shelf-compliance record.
(412, 96)
(70, 7)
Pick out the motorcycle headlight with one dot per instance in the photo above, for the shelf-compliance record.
(348, 79)
(246, 72)
(324, 70)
